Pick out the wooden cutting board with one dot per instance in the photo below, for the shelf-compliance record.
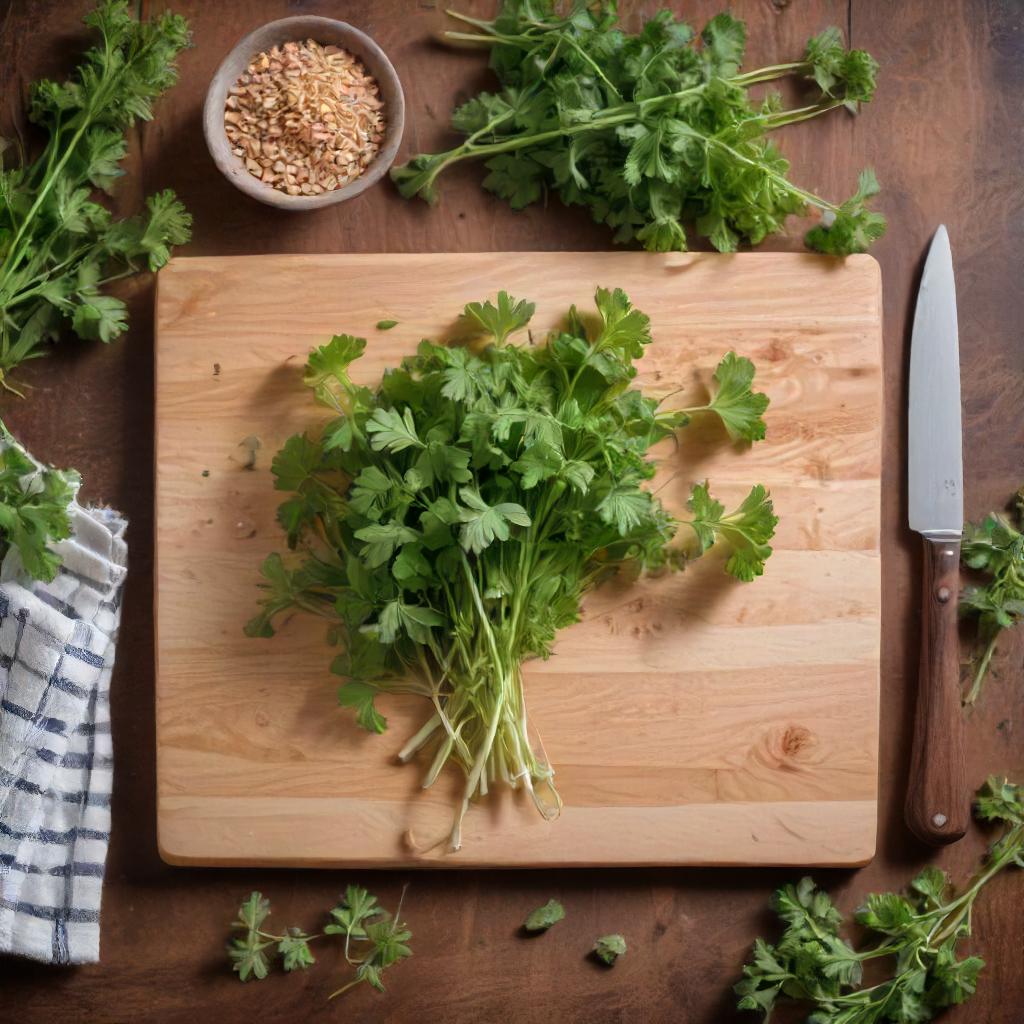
(691, 719)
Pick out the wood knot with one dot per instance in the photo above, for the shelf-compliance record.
(789, 747)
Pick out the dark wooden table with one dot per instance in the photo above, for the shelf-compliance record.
(946, 137)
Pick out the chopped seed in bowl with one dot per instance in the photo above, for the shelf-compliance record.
(305, 118)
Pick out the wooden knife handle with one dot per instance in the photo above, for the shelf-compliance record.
(938, 806)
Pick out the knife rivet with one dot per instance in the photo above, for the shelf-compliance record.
(938, 820)
(943, 594)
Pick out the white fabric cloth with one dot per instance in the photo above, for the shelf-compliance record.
(57, 644)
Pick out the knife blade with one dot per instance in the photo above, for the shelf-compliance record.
(937, 807)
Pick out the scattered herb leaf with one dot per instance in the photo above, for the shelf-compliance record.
(247, 954)
(995, 548)
(541, 919)
(609, 948)
(386, 325)
(374, 940)
(920, 931)
(34, 502)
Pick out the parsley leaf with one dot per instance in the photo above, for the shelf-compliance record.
(609, 948)
(736, 404)
(393, 431)
(294, 950)
(359, 696)
(994, 549)
(1002, 801)
(331, 361)
(356, 907)
(541, 919)
(247, 954)
(501, 320)
(482, 524)
(746, 531)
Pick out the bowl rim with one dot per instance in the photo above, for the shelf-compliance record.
(285, 29)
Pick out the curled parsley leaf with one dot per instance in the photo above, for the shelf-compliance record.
(746, 531)
(374, 939)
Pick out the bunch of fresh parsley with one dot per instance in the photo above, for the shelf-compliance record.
(58, 247)
(453, 519)
(374, 939)
(649, 131)
(34, 503)
(812, 964)
(994, 547)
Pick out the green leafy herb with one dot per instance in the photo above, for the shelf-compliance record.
(746, 531)
(247, 954)
(541, 919)
(919, 932)
(34, 502)
(652, 130)
(994, 548)
(386, 325)
(609, 948)
(383, 938)
(58, 247)
(734, 400)
(374, 940)
(451, 522)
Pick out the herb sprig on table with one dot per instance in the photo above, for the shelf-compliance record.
(919, 934)
(994, 548)
(452, 520)
(34, 503)
(58, 247)
(374, 940)
(650, 130)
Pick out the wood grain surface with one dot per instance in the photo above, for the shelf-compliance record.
(946, 138)
(690, 719)
(938, 807)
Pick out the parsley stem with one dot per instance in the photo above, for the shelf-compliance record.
(979, 675)
(344, 988)
(520, 141)
(469, 37)
(770, 73)
(783, 117)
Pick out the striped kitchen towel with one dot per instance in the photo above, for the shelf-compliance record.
(56, 655)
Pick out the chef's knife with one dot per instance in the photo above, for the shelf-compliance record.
(938, 808)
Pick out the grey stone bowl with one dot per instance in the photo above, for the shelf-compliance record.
(327, 32)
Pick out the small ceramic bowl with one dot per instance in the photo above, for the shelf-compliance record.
(327, 32)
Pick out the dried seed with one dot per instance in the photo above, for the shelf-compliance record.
(308, 117)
